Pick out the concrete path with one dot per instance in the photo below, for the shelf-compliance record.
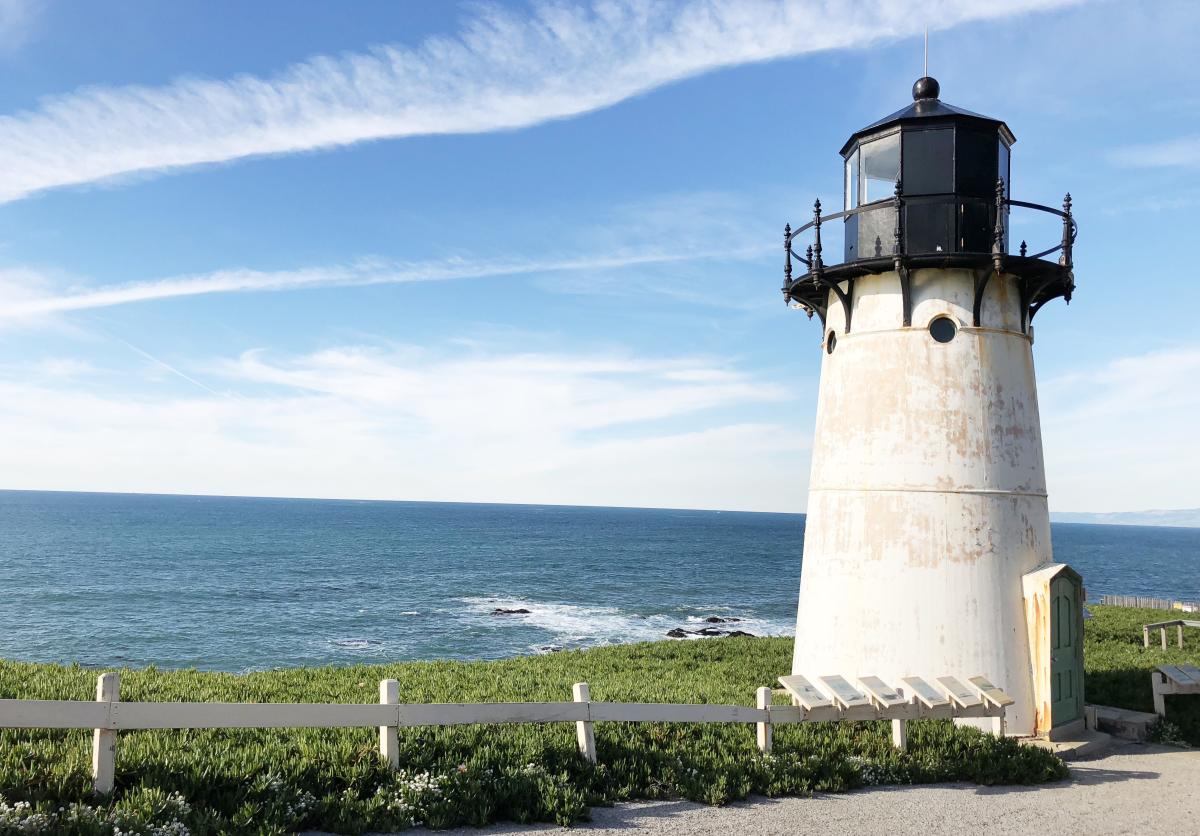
(1137, 789)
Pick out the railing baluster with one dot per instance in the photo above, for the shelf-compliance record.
(787, 256)
(998, 231)
(898, 257)
(898, 248)
(809, 254)
(817, 265)
(1065, 258)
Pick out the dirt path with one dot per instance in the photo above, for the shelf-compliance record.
(1137, 789)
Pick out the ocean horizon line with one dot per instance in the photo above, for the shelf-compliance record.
(1096, 518)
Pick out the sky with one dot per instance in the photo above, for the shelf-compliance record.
(531, 251)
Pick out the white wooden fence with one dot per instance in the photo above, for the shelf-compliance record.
(1144, 603)
(108, 715)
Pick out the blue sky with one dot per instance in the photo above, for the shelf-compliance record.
(530, 252)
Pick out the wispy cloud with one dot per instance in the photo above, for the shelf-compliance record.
(503, 70)
(404, 422)
(532, 396)
(1182, 152)
(1122, 435)
(23, 293)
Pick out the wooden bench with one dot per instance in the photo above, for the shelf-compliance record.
(1161, 626)
(1173, 679)
(836, 698)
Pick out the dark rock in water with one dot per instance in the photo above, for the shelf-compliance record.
(502, 611)
(716, 619)
(680, 633)
(733, 633)
(551, 648)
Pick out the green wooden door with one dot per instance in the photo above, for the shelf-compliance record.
(1066, 652)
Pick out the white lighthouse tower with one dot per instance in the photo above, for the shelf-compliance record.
(927, 500)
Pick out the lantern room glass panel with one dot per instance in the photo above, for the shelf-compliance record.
(929, 161)
(879, 169)
(851, 191)
(1004, 172)
(975, 163)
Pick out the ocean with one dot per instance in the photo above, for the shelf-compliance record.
(238, 584)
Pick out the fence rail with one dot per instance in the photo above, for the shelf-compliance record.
(109, 715)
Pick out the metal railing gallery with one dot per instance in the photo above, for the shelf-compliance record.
(814, 262)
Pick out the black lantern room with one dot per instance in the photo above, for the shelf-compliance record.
(946, 162)
(927, 186)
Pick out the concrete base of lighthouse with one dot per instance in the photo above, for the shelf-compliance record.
(927, 500)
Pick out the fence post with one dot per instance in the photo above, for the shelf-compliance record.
(389, 737)
(900, 734)
(104, 741)
(765, 738)
(584, 733)
(1145, 637)
(1163, 632)
(1179, 627)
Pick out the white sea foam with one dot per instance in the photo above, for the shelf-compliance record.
(573, 623)
(583, 625)
(357, 644)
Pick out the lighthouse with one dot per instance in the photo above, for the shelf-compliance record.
(927, 514)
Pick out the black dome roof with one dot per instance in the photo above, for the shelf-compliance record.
(926, 106)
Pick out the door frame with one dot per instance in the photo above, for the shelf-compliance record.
(1038, 621)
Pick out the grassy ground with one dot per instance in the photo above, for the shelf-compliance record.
(270, 781)
(1118, 666)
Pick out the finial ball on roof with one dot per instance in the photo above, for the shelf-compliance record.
(926, 88)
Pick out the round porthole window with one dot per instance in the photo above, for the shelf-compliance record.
(830, 343)
(943, 329)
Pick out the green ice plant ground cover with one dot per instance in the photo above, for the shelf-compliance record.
(279, 781)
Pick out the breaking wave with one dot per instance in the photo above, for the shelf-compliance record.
(564, 625)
